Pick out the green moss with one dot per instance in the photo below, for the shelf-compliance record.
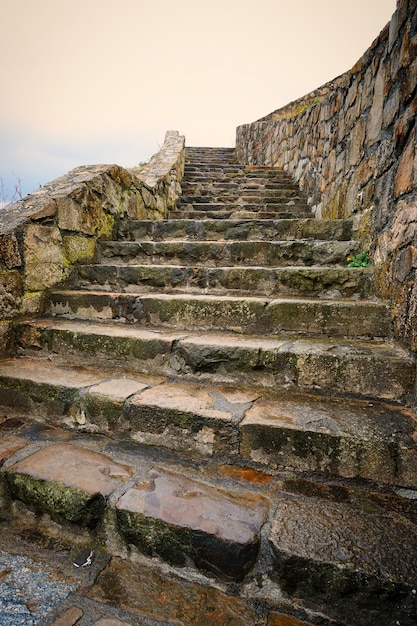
(78, 249)
(63, 503)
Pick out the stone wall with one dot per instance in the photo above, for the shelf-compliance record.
(351, 144)
(46, 233)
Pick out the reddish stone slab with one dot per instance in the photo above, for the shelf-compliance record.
(178, 518)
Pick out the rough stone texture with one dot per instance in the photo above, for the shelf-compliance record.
(278, 619)
(68, 482)
(178, 518)
(331, 552)
(347, 438)
(352, 146)
(151, 594)
(185, 417)
(43, 235)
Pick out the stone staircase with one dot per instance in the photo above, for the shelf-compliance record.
(221, 393)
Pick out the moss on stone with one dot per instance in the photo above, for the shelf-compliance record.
(62, 503)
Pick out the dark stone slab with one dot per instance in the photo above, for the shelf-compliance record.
(180, 519)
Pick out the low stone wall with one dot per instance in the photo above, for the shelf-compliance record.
(46, 233)
(351, 144)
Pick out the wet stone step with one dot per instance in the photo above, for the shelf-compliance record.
(242, 230)
(323, 366)
(346, 438)
(325, 282)
(341, 559)
(230, 253)
(350, 318)
(264, 205)
(180, 519)
(292, 212)
(291, 432)
(71, 484)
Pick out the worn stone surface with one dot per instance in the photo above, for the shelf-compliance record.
(155, 595)
(67, 482)
(341, 437)
(178, 519)
(328, 552)
(351, 144)
(279, 619)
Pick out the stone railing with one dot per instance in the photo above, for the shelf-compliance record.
(351, 144)
(46, 233)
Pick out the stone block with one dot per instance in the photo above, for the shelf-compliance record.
(179, 519)
(328, 551)
(9, 251)
(404, 178)
(339, 437)
(68, 482)
(188, 418)
(153, 594)
(11, 291)
(43, 257)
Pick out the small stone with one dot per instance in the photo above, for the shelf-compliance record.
(69, 618)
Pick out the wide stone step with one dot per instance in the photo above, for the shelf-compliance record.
(259, 184)
(345, 318)
(299, 433)
(232, 230)
(332, 547)
(243, 197)
(179, 519)
(230, 253)
(324, 366)
(291, 212)
(286, 205)
(324, 282)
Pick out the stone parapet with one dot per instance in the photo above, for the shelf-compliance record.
(56, 227)
(351, 144)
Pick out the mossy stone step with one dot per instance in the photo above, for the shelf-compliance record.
(306, 282)
(346, 318)
(291, 212)
(249, 207)
(229, 253)
(324, 366)
(231, 230)
(271, 431)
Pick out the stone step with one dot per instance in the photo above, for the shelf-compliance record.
(307, 282)
(235, 172)
(291, 212)
(299, 433)
(270, 207)
(303, 317)
(325, 366)
(230, 186)
(230, 230)
(258, 533)
(243, 197)
(230, 253)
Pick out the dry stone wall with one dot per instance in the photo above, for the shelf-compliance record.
(351, 144)
(46, 233)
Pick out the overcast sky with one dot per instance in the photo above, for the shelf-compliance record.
(99, 81)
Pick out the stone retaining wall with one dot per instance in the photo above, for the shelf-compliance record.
(352, 146)
(46, 233)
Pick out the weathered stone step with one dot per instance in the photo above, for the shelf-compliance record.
(205, 172)
(270, 207)
(338, 318)
(324, 282)
(302, 433)
(180, 519)
(291, 212)
(334, 550)
(310, 365)
(342, 559)
(243, 230)
(243, 197)
(230, 253)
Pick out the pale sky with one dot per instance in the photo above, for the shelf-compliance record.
(99, 81)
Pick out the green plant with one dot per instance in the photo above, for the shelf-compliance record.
(359, 260)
